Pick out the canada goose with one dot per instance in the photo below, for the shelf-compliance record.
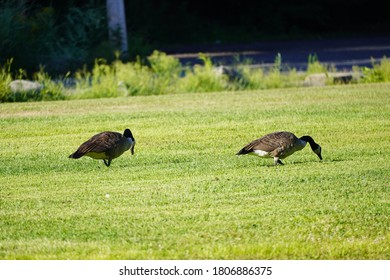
(106, 146)
(279, 145)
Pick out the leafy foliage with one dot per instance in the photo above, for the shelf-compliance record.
(34, 35)
(203, 78)
(315, 66)
(5, 80)
(164, 74)
(380, 72)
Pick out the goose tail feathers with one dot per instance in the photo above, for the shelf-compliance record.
(243, 151)
(76, 155)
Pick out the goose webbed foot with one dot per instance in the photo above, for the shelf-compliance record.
(107, 163)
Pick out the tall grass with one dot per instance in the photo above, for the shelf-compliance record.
(49, 90)
(5, 80)
(164, 74)
(380, 72)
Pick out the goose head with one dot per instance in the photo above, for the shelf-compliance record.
(317, 151)
(127, 133)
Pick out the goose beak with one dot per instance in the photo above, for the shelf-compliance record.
(320, 156)
(132, 150)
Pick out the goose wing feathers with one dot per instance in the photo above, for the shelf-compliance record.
(100, 143)
(269, 142)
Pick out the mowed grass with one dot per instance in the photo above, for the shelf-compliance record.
(184, 194)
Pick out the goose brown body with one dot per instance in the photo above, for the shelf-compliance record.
(279, 145)
(106, 145)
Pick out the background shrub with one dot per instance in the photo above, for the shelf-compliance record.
(5, 80)
(203, 78)
(163, 74)
(35, 35)
(380, 72)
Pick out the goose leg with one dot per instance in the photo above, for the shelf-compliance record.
(277, 161)
(107, 163)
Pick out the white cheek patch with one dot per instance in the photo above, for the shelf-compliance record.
(261, 153)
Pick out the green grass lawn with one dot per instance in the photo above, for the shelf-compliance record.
(184, 194)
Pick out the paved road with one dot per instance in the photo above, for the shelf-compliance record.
(341, 53)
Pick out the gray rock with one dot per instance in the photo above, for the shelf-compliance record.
(316, 80)
(25, 86)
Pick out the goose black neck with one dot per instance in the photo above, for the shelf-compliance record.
(310, 140)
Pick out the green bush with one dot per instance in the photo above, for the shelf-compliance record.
(51, 90)
(380, 72)
(273, 78)
(5, 80)
(135, 78)
(83, 36)
(277, 79)
(202, 78)
(164, 74)
(160, 77)
(314, 66)
(101, 82)
(39, 35)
